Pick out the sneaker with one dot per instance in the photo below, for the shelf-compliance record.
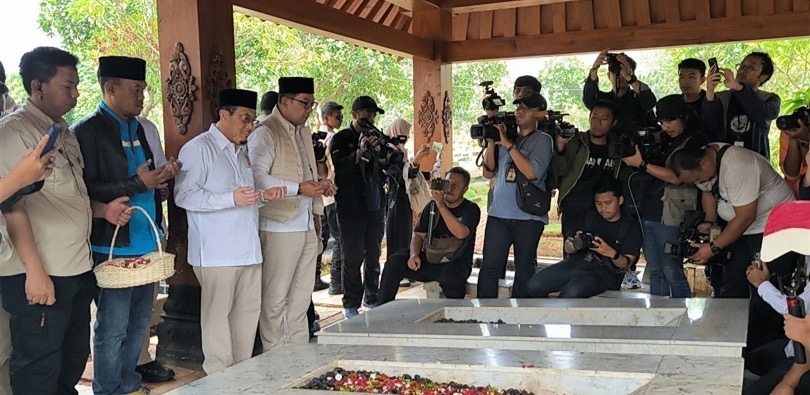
(405, 283)
(335, 289)
(155, 372)
(370, 306)
(320, 285)
(141, 391)
(315, 328)
(349, 313)
(631, 280)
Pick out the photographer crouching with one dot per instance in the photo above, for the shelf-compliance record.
(442, 243)
(667, 199)
(602, 249)
(523, 154)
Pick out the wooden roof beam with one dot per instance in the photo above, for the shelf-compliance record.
(761, 27)
(324, 20)
(464, 6)
(418, 5)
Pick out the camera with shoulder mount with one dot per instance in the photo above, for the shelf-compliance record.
(386, 143)
(492, 101)
(438, 184)
(583, 241)
(485, 128)
(318, 145)
(651, 141)
(790, 122)
(555, 125)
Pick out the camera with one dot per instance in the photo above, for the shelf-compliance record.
(318, 145)
(491, 101)
(386, 143)
(438, 184)
(485, 128)
(556, 126)
(614, 66)
(687, 234)
(651, 141)
(790, 122)
(584, 241)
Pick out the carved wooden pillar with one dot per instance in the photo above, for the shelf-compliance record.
(433, 87)
(196, 62)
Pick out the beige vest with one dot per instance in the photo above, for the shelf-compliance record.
(288, 166)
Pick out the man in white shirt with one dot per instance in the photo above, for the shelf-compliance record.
(215, 187)
(283, 156)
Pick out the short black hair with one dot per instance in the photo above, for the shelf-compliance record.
(230, 109)
(529, 81)
(41, 64)
(687, 159)
(602, 103)
(767, 64)
(693, 64)
(608, 184)
(268, 102)
(463, 173)
(2, 73)
(104, 80)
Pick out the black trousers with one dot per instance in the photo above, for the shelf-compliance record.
(770, 364)
(50, 343)
(764, 324)
(398, 225)
(360, 238)
(452, 276)
(501, 234)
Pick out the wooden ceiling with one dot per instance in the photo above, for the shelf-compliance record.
(491, 29)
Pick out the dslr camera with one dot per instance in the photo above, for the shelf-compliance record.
(614, 66)
(584, 241)
(687, 234)
(651, 141)
(438, 184)
(387, 152)
(318, 145)
(790, 122)
(556, 126)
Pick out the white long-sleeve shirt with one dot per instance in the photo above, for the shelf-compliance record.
(219, 232)
(262, 154)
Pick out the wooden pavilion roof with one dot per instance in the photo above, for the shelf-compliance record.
(491, 29)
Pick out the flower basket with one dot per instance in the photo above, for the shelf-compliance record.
(132, 272)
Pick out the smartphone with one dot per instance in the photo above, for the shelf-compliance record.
(713, 66)
(53, 133)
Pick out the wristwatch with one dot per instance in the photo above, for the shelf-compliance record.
(715, 249)
(510, 148)
(632, 79)
(643, 166)
(616, 256)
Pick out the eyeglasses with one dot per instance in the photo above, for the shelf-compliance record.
(307, 105)
(748, 67)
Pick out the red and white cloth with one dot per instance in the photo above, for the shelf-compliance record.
(787, 229)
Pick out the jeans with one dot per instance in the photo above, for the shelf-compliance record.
(121, 321)
(50, 343)
(452, 276)
(667, 277)
(573, 278)
(337, 257)
(360, 237)
(499, 235)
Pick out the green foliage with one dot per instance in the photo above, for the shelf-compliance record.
(562, 79)
(467, 97)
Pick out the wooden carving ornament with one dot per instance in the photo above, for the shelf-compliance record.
(180, 88)
(218, 80)
(428, 116)
(447, 117)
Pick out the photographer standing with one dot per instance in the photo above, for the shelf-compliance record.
(360, 199)
(528, 152)
(600, 251)
(667, 199)
(633, 98)
(794, 142)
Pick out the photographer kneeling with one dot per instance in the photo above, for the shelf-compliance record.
(520, 150)
(667, 199)
(601, 251)
(448, 259)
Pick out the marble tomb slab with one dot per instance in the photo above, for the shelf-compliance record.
(698, 327)
(544, 372)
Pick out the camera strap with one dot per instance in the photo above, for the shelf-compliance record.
(716, 186)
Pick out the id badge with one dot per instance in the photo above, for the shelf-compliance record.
(510, 174)
(739, 143)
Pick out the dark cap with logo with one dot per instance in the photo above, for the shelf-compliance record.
(238, 98)
(671, 107)
(122, 67)
(366, 103)
(533, 100)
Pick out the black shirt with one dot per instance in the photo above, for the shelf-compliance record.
(467, 212)
(623, 235)
(697, 104)
(739, 125)
(359, 183)
(580, 198)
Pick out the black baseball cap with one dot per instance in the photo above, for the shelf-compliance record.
(366, 103)
(533, 100)
(670, 107)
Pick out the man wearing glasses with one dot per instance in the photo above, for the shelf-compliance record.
(742, 114)
(331, 121)
(282, 154)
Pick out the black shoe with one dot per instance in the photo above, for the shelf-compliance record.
(320, 285)
(316, 326)
(155, 372)
(335, 289)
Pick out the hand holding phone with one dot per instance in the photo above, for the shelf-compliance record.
(53, 133)
(713, 66)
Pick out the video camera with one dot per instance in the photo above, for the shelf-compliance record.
(556, 126)
(318, 145)
(790, 122)
(485, 128)
(491, 101)
(387, 152)
(651, 141)
(687, 234)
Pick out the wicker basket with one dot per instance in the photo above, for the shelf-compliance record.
(111, 273)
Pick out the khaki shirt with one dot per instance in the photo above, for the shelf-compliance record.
(60, 212)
